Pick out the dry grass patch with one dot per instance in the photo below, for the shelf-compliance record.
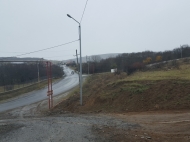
(182, 73)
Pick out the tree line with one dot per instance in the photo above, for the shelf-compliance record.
(11, 74)
(129, 62)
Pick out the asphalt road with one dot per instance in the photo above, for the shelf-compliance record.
(70, 81)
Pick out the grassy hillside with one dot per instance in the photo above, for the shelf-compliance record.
(142, 91)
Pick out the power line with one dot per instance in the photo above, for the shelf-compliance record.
(57, 56)
(44, 51)
(10, 52)
(83, 11)
(60, 50)
(46, 48)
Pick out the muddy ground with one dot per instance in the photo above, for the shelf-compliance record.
(154, 126)
(33, 123)
(28, 124)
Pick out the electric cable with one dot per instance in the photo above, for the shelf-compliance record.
(47, 48)
(83, 11)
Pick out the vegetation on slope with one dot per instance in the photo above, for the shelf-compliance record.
(129, 62)
(141, 91)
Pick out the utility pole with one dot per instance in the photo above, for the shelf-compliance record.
(88, 67)
(88, 64)
(77, 66)
(38, 72)
(39, 69)
(181, 51)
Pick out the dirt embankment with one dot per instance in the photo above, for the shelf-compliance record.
(122, 96)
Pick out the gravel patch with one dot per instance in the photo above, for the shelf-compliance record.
(67, 128)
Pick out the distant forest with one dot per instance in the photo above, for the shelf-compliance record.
(129, 62)
(11, 74)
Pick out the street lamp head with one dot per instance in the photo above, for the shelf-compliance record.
(69, 16)
(73, 18)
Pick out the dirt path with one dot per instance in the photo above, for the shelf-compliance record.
(28, 124)
(64, 128)
(154, 126)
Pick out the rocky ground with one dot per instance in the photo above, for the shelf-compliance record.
(26, 125)
(30, 123)
(63, 128)
(33, 123)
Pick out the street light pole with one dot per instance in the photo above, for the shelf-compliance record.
(80, 58)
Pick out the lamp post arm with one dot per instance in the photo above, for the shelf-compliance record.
(75, 20)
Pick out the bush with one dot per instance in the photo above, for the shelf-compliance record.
(134, 67)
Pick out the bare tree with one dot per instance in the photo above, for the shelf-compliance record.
(95, 58)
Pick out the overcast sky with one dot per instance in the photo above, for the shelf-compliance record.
(108, 26)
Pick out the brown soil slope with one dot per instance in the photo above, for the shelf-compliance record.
(142, 91)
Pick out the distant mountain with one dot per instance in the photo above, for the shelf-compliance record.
(90, 58)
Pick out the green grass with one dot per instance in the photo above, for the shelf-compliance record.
(183, 73)
(137, 90)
